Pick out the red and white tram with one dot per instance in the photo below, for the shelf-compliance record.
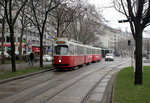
(71, 54)
(97, 55)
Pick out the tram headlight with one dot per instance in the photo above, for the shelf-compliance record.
(59, 61)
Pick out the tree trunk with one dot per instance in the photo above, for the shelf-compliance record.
(12, 49)
(3, 47)
(138, 58)
(20, 44)
(41, 50)
(58, 29)
(20, 50)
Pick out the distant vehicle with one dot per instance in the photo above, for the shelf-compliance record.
(17, 52)
(109, 57)
(47, 58)
(105, 51)
(17, 55)
(116, 53)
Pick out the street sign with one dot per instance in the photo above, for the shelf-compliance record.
(122, 21)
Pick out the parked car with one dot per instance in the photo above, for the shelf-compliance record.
(47, 58)
(16, 55)
(109, 57)
(5, 54)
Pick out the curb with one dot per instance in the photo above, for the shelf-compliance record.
(23, 76)
(108, 94)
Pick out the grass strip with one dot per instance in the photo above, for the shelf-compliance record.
(9, 61)
(126, 92)
(8, 74)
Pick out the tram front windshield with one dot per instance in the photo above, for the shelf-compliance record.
(61, 50)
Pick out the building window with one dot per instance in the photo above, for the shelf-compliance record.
(7, 29)
(1, 39)
(14, 39)
(44, 36)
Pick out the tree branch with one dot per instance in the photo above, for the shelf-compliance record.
(18, 12)
(147, 17)
(140, 4)
(130, 10)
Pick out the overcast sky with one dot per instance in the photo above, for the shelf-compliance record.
(112, 16)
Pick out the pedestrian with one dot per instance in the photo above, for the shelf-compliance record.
(31, 59)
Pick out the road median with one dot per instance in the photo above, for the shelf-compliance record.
(6, 76)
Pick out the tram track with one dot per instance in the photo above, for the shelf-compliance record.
(90, 92)
(59, 81)
(68, 87)
(28, 78)
(97, 84)
(60, 75)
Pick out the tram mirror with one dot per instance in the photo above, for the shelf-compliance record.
(71, 49)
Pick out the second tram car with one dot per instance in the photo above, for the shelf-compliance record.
(96, 54)
(72, 54)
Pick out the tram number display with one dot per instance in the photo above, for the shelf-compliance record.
(60, 42)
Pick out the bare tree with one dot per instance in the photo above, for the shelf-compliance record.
(87, 26)
(24, 21)
(39, 17)
(3, 21)
(65, 14)
(137, 13)
(12, 14)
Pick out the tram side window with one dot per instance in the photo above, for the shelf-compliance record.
(75, 51)
(71, 49)
(88, 51)
(82, 50)
(79, 50)
(61, 50)
(93, 51)
(99, 52)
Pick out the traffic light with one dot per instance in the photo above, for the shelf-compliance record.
(129, 43)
